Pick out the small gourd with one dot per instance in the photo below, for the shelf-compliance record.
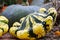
(57, 33)
(3, 25)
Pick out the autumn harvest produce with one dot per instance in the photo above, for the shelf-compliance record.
(57, 33)
(3, 25)
(15, 12)
(35, 25)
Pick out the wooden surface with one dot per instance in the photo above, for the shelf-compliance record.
(7, 36)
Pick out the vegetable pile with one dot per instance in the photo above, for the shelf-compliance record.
(35, 25)
(15, 12)
(3, 25)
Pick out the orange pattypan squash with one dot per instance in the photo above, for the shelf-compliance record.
(57, 33)
(4, 7)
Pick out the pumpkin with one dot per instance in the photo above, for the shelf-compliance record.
(15, 12)
(35, 25)
(3, 25)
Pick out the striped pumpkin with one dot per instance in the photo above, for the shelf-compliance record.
(3, 25)
(35, 25)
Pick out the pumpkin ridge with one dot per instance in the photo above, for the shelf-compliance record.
(31, 30)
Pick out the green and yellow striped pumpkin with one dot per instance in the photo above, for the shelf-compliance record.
(35, 25)
(3, 25)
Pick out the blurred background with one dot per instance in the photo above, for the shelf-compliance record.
(5, 3)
